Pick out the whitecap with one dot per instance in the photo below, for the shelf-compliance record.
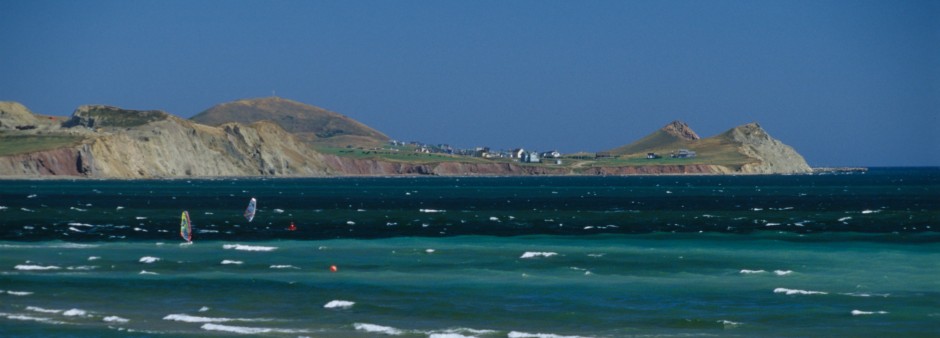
(27, 210)
(42, 310)
(494, 219)
(204, 309)
(31, 318)
(29, 267)
(19, 293)
(248, 247)
(75, 313)
(459, 332)
(74, 246)
(861, 313)
(77, 224)
(782, 272)
(843, 219)
(728, 324)
(78, 209)
(279, 211)
(182, 317)
(750, 272)
(866, 294)
(74, 229)
(530, 254)
(196, 319)
(431, 211)
(3, 207)
(145, 272)
(92, 258)
(798, 292)
(149, 259)
(372, 328)
(517, 334)
(868, 211)
(430, 251)
(31, 196)
(140, 230)
(345, 304)
(350, 223)
(140, 217)
(247, 330)
(83, 267)
(208, 231)
(229, 261)
(284, 267)
(119, 208)
(115, 319)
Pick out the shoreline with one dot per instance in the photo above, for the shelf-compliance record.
(815, 171)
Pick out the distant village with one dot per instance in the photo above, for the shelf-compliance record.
(518, 154)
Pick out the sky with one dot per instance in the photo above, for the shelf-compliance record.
(846, 83)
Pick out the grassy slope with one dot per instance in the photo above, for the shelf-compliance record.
(308, 122)
(719, 149)
(22, 144)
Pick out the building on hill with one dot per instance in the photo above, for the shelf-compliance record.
(550, 154)
(683, 153)
(653, 156)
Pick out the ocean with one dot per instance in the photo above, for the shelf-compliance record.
(837, 255)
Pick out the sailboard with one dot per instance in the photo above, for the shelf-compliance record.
(250, 211)
(186, 227)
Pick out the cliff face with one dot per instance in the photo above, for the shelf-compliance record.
(110, 142)
(773, 157)
(177, 148)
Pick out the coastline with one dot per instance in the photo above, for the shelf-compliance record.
(816, 171)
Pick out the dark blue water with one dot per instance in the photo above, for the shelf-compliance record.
(880, 201)
(817, 255)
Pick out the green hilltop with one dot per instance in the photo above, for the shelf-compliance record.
(310, 123)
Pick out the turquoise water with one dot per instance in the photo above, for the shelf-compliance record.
(846, 255)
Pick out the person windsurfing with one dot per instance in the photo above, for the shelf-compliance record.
(292, 227)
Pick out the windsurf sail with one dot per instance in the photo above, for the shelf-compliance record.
(186, 227)
(250, 211)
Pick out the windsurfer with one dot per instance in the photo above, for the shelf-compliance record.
(292, 226)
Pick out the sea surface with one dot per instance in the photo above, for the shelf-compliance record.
(836, 255)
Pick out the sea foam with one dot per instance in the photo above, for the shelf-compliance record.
(42, 310)
(229, 261)
(149, 259)
(31, 318)
(115, 319)
(372, 328)
(247, 330)
(248, 247)
(530, 254)
(19, 293)
(751, 272)
(283, 266)
(75, 313)
(798, 292)
(862, 313)
(29, 267)
(181, 317)
(517, 334)
(345, 304)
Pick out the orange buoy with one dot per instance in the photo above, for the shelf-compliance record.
(333, 268)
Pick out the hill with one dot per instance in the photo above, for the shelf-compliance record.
(746, 149)
(309, 123)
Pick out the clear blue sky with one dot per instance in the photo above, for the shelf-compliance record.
(843, 82)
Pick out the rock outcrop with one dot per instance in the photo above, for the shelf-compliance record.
(771, 155)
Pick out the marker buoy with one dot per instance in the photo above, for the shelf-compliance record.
(333, 268)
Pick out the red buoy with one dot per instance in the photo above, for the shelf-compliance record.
(333, 268)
